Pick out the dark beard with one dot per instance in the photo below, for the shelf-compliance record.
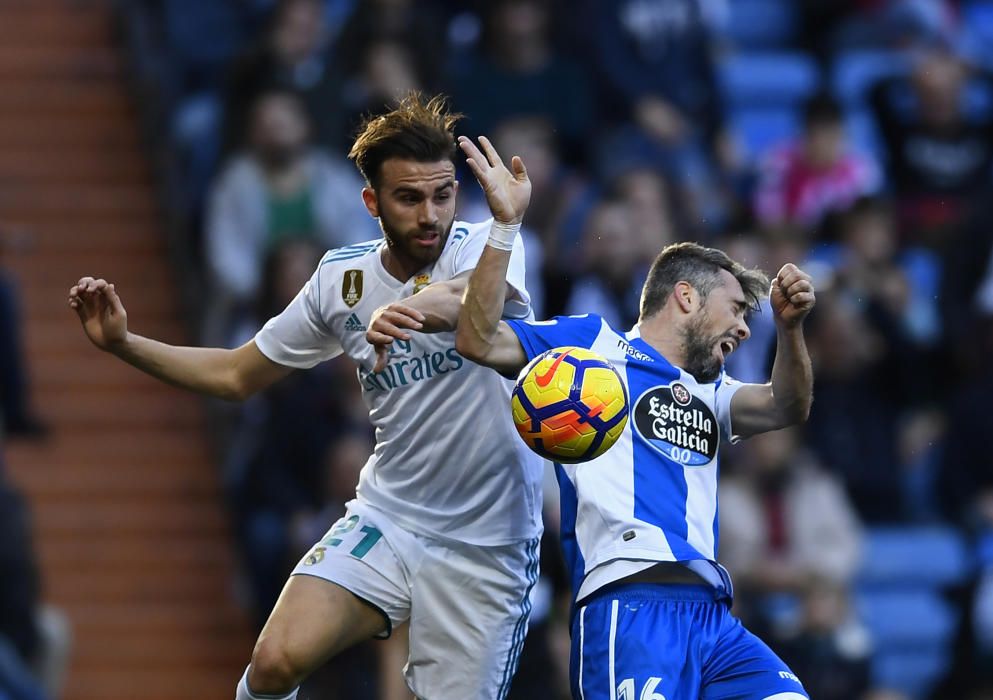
(405, 251)
(699, 353)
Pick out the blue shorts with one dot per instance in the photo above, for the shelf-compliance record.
(671, 642)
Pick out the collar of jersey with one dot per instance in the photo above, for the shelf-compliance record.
(633, 336)
(382, 273)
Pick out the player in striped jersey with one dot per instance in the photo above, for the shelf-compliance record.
(445, 525)
(639, 523)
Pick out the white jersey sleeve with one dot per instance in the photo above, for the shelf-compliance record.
(299, 336)
(726, 390)
(470, 248)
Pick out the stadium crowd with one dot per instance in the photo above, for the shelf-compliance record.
(855, 137)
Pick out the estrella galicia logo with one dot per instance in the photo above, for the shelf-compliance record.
(678, 424)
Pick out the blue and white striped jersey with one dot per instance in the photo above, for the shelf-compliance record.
(652, 497)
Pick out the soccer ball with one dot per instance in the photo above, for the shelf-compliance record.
(569, 405)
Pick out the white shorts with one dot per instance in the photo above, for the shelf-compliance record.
(468, 605)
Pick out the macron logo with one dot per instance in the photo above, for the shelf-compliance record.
(354, 324)
(790, 676)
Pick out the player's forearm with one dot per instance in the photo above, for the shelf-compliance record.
(204, 370)
(482, 305)
(440, 303)
(792, 376)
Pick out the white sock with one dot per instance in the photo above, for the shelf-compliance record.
(244, 693)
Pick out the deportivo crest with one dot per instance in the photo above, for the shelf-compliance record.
(351, 287)
(678, 424)
(420, 282)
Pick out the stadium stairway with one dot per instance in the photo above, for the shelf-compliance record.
(129, 526)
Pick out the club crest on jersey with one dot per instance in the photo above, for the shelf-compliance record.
(678, 424)
(680, 393)
(420, 282)
(351, 287)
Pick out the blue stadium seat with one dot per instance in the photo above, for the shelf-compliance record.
(911, 619)
(768, 78)
(914, 556)
(912, 672)
(760, 128)
(761, 23)
(855, 71)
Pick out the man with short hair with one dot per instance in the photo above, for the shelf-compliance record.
(444, 528)
(639, 523)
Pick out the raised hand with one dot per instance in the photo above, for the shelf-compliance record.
(792, 295)
(100, 311)
(507, 193)
(388, 323)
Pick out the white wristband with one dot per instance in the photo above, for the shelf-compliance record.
(502, 235)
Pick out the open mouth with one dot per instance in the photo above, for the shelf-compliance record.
(427, 240)
(727, 347)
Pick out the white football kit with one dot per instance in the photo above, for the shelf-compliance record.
(445, 524)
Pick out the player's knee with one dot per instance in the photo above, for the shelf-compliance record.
(273, 671)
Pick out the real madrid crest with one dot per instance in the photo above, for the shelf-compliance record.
(420, 282)
(351, 287)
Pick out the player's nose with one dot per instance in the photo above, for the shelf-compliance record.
(427, 214)
(744, 332)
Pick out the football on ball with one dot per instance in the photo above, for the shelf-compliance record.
(569, 405)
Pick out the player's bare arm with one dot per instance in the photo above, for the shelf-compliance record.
(786, 399)
(480, 335)
(226, 374)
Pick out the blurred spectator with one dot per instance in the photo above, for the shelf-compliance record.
(277, 465)
(280, 188)
(801, 182)
(294, 56)
(613, 269)
(785, 522)
(966, 480)
(873, 268)
(829, 649)
(659, 83)
(518, 73)
(385, 71)
(416, 27)
(17, 419)
(20, 639)
(865, 374)
(939, 152)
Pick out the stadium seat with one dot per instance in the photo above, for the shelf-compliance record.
(913, 673)
(764, 78)
(912, 619)
(761, 23)
(760, 128)
(855, 71)
(918, 556)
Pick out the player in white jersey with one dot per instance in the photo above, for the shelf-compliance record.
(444, 528)
(639, 523)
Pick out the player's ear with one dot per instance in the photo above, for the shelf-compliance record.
(371, 201)
(685, 296)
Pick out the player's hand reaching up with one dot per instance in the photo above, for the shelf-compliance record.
(100, 311)
(390, 323)
(792, 295)
(507, 191)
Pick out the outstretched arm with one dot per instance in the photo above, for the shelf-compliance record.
(481, 336)
(759, 408)
(226, 374)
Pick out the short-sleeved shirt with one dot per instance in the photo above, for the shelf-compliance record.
(447, 462)
(652, 497)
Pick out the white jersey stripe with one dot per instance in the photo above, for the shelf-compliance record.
(582, 624)
(610, 649)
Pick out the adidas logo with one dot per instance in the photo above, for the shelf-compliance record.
(352, 323)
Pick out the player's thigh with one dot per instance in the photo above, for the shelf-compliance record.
(469, 615)
(315, 619)
(349, 587)
(743, 667)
